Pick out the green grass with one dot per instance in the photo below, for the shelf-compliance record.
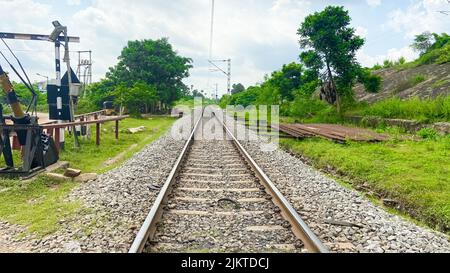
(36, 205)
(424, 110)
(416, 173)
(91, 158)
(39, 205)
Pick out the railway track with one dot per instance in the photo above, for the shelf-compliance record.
(216, 199)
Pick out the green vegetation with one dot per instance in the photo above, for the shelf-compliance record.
(39, 205)
(424, 110)
(331, 45)
(25, 97)
(415, 173)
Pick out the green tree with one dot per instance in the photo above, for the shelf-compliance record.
(155, 63)
(287, 80)
(237, 88)
(141, 98)
(423, 42)
(330, 44)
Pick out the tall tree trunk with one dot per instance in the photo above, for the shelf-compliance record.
(334, 88)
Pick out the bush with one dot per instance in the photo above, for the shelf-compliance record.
(428, 133)
(372, 83)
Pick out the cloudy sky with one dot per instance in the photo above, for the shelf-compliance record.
(258, 35)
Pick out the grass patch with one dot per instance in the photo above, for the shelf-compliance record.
(38, 205)
(90, 158)
(424, 110)
(416, 173)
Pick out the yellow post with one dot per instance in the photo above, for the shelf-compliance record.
(12, 97)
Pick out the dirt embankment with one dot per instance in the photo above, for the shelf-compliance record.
(426, 81)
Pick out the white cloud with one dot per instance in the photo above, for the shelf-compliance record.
(361, 31)
(73, 2)
(373, 3)
(393, 54)
(259, 36)
(420, 16)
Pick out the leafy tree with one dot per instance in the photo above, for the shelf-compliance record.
(423, 42)
(140, 98)
(237, 88)
(155, 63)
(288, 79)
(330, 44)
(99, 92)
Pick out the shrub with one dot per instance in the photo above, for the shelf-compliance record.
(372, 83)
(428, 133)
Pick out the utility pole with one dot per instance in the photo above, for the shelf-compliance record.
(217, 92)
(85, 65)
(227, 73)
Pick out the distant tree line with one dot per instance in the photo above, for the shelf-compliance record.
(322, 81)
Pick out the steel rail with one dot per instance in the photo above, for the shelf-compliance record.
(298, 226)
(149, 227)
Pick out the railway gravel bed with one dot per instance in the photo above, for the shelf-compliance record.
(220, 207)
(343, 219)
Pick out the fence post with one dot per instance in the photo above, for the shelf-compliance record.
(97, 129)
(117, 129)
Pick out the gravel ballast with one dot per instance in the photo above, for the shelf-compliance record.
(343, 219)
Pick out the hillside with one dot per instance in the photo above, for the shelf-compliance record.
(425, 81)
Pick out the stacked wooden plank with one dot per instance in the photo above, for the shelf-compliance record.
(333, 132)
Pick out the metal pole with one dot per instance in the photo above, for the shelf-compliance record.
(69, 77)
(229, 76)
(60, 135)
(212, 31)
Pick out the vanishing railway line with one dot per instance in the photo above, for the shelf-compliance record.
(216, 199)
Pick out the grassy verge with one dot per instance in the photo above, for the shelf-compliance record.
(91, 158)
(39, 205)
(414, 173)
(426, 110)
